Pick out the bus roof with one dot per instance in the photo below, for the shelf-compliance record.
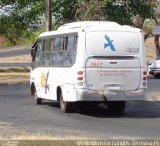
(89, 25)
(86, 24)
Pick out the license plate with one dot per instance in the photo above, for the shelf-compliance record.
(114, 88)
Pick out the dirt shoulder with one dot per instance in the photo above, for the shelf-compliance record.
(16, 59)
(14, 74)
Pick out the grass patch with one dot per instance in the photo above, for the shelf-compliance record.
(15, 70)
(44, 140)
(14, 76)
(38, 142)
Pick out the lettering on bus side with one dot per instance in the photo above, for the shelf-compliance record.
(96, 64)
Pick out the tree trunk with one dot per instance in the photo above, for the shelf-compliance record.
(48, 15)
(156, 38)
(156, 42)
(139, 22)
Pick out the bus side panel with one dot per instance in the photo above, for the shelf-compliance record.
(69, 93)
(42, 80)
(62, 78)
(35, 79)
(47, 90)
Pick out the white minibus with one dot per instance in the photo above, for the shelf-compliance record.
(90, 62)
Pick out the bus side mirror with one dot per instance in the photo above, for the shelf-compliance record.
(33, 54)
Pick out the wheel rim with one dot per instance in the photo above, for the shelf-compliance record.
(35, 94)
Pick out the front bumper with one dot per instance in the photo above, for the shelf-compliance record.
(88, 95)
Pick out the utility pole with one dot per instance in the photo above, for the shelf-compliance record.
(48, 26)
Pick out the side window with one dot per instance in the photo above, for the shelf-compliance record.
(61, 45)
(47, 44)
(57, 55)
(58, 43)
(70, 50)
(57, 51)
(46, 54)
(57, 58)
(38, 49)
(71, 43)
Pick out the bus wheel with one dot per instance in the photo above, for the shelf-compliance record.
(157, 76)
(38, 100)
(116, 106)
(66, 107)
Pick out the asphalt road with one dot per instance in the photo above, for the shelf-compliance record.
(14, 64)
(20, 115)
(16, 51)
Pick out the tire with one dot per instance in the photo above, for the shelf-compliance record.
(34, 93)
(157, 76)
(38, 101)
(32, 89)
(66, 107)
(117, 107)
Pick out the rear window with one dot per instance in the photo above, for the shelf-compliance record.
(112, 43)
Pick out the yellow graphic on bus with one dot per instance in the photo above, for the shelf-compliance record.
(43, 80)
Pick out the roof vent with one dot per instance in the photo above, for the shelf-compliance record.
(82, 24)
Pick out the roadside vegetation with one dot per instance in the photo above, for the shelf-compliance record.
(14, 75)
(14, 78)
(15, 70)
(24, 40)
(22, 21)
(45, 140)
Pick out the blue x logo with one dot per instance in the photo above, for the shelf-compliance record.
(46, 85)
(109, 43)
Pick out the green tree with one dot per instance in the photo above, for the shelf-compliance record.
(156, 18)
(23, 17)
(64, 11)
(19, 16)
(131, 12)
(91, 10)
(121, 11)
